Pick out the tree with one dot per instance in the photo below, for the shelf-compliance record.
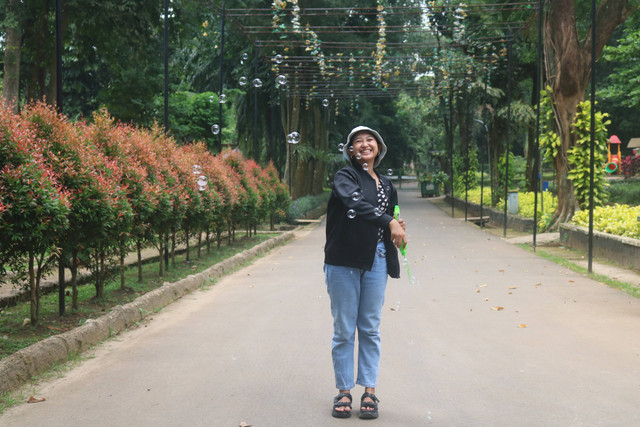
(568, 71)
(13, 47)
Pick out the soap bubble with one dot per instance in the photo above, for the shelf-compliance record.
(351, 149)
(358, 156)
(325, 102)
(245, 56)
(389, 172)
(242, 81)
(365, 166)
(197, 170)
(215, 129)
(340, 147)
(222, 98)
(351, 214)
(278, 59)
(378, 211)
(202, 181)
(211, 99)
(293, 138)
(281, 80)
(257, 83)
(356, 196)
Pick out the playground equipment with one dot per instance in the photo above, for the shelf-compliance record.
(613, 159)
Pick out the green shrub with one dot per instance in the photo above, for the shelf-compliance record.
(525, 204)
(300, 207)
(621, 220)
(625, 192)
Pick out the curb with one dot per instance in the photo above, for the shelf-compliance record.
(30, 361)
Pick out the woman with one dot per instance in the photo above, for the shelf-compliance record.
(362, 237)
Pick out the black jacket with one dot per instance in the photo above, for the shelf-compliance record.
(352, 242)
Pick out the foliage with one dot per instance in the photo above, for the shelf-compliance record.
(579, 156)
(621, 220)
(439, 177)
(465, 168)
(550, 142)
(630, 166)
(502, 170)
(624, 192)
(96, 188)
(300, 207)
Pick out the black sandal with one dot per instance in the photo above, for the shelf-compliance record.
(365, 413)
(337, 404)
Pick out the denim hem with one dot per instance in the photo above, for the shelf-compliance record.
(364, 385)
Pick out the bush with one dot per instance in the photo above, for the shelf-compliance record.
(300, 207)
(621, 220)
(625, 192)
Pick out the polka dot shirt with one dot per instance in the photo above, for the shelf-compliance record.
(383, 205)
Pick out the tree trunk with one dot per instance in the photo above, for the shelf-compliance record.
(139, 252)
(13, 48)
(568, 70)
(123, 253)
(161, 254)
(74, 279)
(33, 292)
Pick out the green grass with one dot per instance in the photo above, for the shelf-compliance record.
(625, 192)
(15, 336)
(625, 287)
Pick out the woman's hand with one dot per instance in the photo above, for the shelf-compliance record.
(398, 236)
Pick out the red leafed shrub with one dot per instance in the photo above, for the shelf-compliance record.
(33, 206)
(630, 166)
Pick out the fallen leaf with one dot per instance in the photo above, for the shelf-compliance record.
(498, 308)
(571, 281)
(243, 424)
(522, 325)
(501, 271)
(486, 299)
(483, 286)
(513, 287)
(36, 399)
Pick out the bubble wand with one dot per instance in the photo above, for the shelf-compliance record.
(403, 249)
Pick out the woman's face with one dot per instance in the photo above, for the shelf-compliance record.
(365, 148)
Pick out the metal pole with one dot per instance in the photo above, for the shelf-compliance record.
(486, 142)
(536, 154)
(221, 75)
(255, 104)
(59, 93)
(508, 135)
(166, 104)
(451, 150)
(593, 130)
(61, 281)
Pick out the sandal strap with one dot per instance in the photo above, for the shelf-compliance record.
(340, 396)
(373, 404)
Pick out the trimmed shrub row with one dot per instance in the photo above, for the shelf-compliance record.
(81, 194)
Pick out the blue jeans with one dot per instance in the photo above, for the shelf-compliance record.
(357, 297)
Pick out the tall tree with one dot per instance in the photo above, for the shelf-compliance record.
(13, 47)
(568, 70)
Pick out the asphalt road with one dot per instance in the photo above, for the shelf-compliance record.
(488, 335)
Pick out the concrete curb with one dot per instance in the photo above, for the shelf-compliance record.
(620, 250)
(496, 217)
(28, 362)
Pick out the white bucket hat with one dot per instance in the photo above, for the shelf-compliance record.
(376, 135)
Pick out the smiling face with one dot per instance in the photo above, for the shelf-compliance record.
(365, 148)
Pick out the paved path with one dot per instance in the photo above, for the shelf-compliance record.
(489, 335)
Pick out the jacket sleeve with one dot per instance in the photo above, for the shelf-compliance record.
(348, 189)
